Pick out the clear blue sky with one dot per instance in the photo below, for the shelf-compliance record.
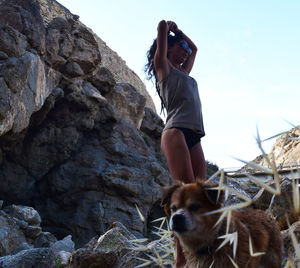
(247, 67)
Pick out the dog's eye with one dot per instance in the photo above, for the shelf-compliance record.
(194, 207)
(173, 208)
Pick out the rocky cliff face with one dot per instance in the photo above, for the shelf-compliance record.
(51, 9)
(286, 149)
(78, 141)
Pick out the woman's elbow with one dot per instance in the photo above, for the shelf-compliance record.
(162, 24)
(194, 49)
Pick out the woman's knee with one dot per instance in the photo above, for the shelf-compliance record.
(172, 136)
(173, 141)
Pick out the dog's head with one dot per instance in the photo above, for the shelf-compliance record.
(186, 206)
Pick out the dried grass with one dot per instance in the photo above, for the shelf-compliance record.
(163, 254)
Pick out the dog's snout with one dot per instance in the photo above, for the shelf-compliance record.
(178, 223)
(178, 219)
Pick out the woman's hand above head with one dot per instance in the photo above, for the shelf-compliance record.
(160, 60)
(173, 26)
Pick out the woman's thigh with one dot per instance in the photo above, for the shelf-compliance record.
(177, 154)
(198, 161)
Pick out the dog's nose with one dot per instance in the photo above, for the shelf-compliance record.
(178, 223)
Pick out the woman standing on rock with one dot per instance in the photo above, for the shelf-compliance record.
(170, 60)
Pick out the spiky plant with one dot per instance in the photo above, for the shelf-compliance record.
(163, 253)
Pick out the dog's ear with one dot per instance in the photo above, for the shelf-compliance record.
(166, 198)
(214, 195)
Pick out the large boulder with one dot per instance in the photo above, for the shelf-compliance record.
(75, 136)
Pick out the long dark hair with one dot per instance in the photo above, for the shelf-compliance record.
(149, 67)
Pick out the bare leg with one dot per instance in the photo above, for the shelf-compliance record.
(198, 161)
(179, 161)
(175, 150)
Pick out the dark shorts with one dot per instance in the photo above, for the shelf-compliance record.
(191, 137)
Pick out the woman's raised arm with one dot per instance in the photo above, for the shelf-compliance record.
(161, 64)
(189, 63)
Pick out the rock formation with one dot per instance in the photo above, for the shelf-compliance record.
(286, 149)
(79, 143)
(24, 244)
(79, 136)
(117, 248)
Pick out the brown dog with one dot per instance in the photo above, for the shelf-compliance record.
(186, 205)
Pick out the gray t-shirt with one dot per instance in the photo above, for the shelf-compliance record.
(180, 94)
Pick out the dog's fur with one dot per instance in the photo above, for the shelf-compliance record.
(185, 205)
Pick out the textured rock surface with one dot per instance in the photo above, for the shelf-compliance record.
(116, 249)
(65, 244)
(129, 102)
(77, 140)
(286, 149)
(50, 10)
(122, 73)
(107, 251)
(44, 240)
(23, 89)
(11, 236)
(27, 214)
(32, 258)
(25, 245)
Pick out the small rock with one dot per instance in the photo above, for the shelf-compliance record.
(92, 92)
(12, 42)
(22, 224)
(44, 240)
(72, 69)
(33, 231)
(103, 80)
(64, 245)
(108, 250)
(28, 214)
(152, 124)
(75, 17)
